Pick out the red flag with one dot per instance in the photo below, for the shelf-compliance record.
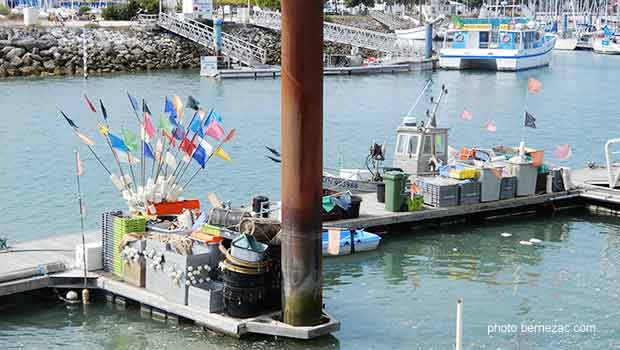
(90, 104)
(148, 126)
(562, 152)
(230, 135)
(78, 164)
(467, 115)
(534, 85)
(490, 126)
(169, 137)
(187, 146)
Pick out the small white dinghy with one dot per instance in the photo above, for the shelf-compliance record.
(362, 241)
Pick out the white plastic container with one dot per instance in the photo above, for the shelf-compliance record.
(31, 16)
(94, 256)
(526, 175)
(490, 185)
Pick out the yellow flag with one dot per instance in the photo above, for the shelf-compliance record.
(222, 154)
(84, 139)
(103, 129)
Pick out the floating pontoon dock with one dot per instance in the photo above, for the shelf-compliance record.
(274, 72)
(35, 258)
(48, 263)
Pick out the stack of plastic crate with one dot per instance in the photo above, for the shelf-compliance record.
(469, 192)
(122, 226)
(107, 237)
(439, 192)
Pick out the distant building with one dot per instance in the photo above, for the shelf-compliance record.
(335, 6)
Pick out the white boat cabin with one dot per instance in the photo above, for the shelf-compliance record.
(418, 148)
(505, 38)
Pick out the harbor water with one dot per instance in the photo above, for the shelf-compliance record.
(405, 292)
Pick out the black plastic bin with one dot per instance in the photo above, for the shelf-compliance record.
(381, 192)
(354, 211)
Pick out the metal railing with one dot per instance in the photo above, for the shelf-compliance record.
(388, 43)
(232, 46)
(145, 19)
(389, 20)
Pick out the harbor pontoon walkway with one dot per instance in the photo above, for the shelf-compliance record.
(388, 43)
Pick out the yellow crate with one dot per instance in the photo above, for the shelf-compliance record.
(462, 174)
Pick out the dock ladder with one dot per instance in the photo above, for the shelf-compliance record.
(388, 43)
(233, 47)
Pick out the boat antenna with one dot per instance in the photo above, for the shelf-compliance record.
(432, 122)
(426, 86)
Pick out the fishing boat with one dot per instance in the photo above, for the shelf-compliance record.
(363, 241)
(502, 44)
(606, 43)
(420, 147)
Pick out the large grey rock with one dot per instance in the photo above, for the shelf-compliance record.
(16, 62)
(49, 64)
(16, 52)
(6, 50)
(27, 43)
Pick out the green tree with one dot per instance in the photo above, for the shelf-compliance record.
(272, 4)
(4, 11)
(353, 3)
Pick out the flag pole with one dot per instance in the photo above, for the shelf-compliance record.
(226, 139)
(107, 125)
(133, 177)
(90, 148)
(182, 172)
(78, 173)
(184, 137)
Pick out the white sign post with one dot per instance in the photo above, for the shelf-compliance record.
(208, 66)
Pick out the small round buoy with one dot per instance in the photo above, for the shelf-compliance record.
(535, 240)
(506, 234)
(525, 243)
(72, 296)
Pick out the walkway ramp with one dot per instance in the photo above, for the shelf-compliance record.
(388, 43)
(233, 47)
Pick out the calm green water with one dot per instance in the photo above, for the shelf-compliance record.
(403, 295)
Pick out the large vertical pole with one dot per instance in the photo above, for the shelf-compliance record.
(302, 160)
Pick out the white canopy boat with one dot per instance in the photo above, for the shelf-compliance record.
(502, 44)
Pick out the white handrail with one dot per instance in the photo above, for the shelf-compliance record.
(232, 46)
(357, 37)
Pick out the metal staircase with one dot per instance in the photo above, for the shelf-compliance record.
(232, 46)
(390, 21)
(388, 43)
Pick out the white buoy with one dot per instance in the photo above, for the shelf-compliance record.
(535, 240)
(525, 243)
(72, 295)
(506, 234)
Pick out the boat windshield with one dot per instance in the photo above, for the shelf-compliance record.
(440, 141)
(414, 140)
(401, 144)
(427, 145)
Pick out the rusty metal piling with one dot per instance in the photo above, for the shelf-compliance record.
(302, 160)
